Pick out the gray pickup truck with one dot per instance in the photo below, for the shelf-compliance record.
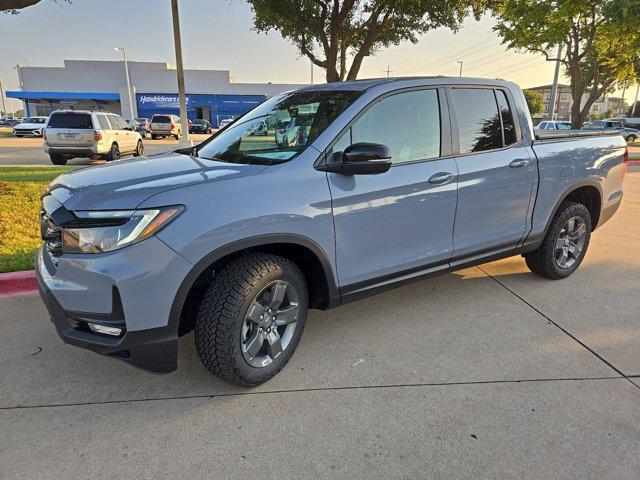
(392, 181)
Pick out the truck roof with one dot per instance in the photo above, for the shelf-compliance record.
(365, 84)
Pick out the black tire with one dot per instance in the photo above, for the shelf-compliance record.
(220, 318)
(543, 260)
(177, 137)
(114, 153)
(631, 138)
(57, 159)
(139, 149)
(154, 137)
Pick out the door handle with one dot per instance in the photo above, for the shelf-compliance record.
(519, 163)
(441, 177)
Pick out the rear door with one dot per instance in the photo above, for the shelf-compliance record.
(399, 222)
(70, 129)
(122, 133)
(496, 172)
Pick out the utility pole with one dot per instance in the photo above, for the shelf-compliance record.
(311, 73)
(126, 73)
(388, 71)
(635, 102)
(554, 90)
(181, 94)
(460, 62)
(4, 107)
(624, 91)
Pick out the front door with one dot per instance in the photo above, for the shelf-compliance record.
(399, 222)
(496, 173)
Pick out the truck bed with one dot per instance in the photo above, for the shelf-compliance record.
(563, 134)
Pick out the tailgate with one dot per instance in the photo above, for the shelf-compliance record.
(70, 129)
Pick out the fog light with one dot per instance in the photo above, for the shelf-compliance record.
(113, 331)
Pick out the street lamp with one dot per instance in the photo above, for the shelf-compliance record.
(126, 72)
(460, 62)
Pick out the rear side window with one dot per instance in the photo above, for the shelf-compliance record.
(79, 121)
(104, 123)
(543, 125)
(161, 119)
(479, 124)
(408, 123)
(508, 125)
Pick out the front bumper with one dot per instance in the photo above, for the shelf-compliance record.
(125, 295)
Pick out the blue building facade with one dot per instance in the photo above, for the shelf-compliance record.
(212, 107)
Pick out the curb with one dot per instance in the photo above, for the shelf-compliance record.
(15, 284)
(633, 162)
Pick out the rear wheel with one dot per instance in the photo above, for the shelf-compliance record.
(251, 318)
(565, 244)
(631, 138)
(57, 159)
(139, 149)
(177, 137)
(114, 153)
(153, 137)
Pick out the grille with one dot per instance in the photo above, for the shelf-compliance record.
(51, 235)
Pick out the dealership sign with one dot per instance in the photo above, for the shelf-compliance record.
(160, 101)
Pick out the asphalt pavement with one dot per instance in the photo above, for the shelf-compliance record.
(490, 372)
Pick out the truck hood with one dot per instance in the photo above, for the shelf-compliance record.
(125, 184)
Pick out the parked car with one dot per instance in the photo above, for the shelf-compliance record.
(397, 180)
(224, 123)
(145, 122)
(200, 125)
(10, 122)
(138, 127)
(295, 133)
(165, 126)
(89, 134)
(629, 134)
(553, 125)
(30, 127)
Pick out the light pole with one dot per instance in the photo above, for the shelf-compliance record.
(460, 62)
(180, 71)
(4, 108)
(554, 89)
(126, 72)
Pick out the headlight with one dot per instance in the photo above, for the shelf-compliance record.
(111, 230)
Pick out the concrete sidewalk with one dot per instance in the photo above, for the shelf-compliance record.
(489, 372)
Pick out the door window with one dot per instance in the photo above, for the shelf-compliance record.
(479, 123)
(508, 125)
(104, 123)
(408, 123)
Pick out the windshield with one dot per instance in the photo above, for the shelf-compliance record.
(34, 120)
(279, 129)
(198, 122)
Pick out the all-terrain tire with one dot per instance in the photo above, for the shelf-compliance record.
(543, 260)
(222, 312)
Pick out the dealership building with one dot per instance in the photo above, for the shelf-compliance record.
(102, 85)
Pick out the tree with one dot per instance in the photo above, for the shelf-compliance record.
(631, 113)
(601, 40)
(14, 6)
(534, 101)
(337, 35)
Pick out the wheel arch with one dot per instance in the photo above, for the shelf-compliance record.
(589, 193)
(308, 255)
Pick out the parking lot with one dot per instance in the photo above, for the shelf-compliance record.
(28, 151)
(490, 372)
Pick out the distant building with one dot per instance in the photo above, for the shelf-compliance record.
(564, 102)
(102, 85)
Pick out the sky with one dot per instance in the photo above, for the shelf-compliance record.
(218, 34)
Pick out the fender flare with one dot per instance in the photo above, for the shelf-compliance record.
(237, 246)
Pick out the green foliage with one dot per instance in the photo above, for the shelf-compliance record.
(333, 33)
(630, 112)
(601, 40)
(534, 101)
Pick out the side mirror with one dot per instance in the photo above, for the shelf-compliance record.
(360, 159)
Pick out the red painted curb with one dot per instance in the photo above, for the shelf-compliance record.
(633, 162)
(18, 283)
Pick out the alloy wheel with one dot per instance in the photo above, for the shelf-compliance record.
(269, 323)
(570, 242)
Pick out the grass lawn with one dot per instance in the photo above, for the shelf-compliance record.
(20, 189)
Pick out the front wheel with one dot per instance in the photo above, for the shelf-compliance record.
(57, 159)
(139, 149)
(251, 318)
(565, 245)
(177, 137)
(631, 138)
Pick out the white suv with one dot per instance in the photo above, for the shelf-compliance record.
(83, 133)
(165, 125)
